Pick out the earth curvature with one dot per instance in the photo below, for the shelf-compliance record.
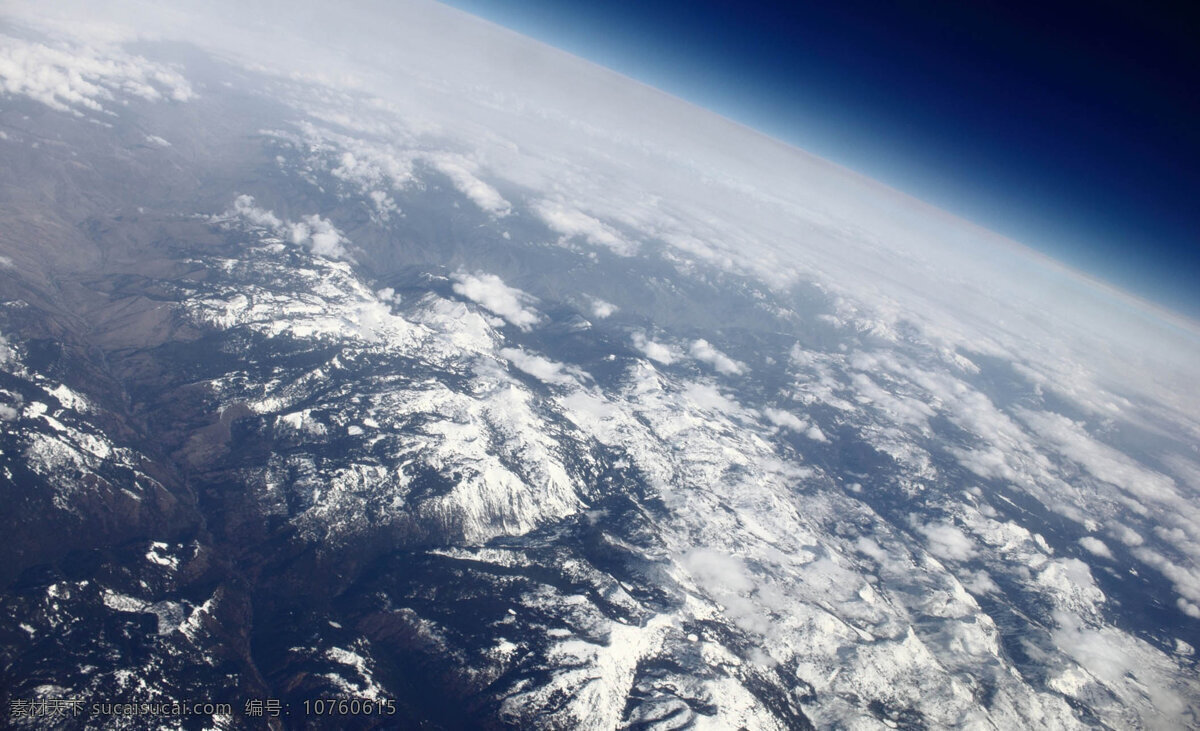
(388, 356)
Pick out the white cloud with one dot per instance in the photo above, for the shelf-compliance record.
(316, 233)
(597, 414)
(364, 164)
(244, 207)
(1186, 580)
(1125, 534)
(490, 292)
(981, 583)
(570, 222)
(462, 173)
(710, 399)
(1073, 441)
(1126, 666)
(321, 236)
(717, 571)
(6, 350)
(657, 352)
(898, 408)
(727, 580)
(788, 420)
(785, 419)
(602, 309)
(1092, 649)
(535, 365)
(7, 413)
(157, 141)
(1069, 582)
(385, 206)
(691, 245)
(869, 547)
(368, 167)
(68, 77)
(947, 542)
(703, 351)
(1096, 546)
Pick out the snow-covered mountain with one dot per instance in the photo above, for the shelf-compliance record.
(394, 357)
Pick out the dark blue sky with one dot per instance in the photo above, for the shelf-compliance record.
(1072, 127)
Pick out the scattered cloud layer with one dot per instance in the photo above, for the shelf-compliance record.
(313, 232)
(535, 365)
(657, 352)
(704, 352)
(490, 292)
(788, 420)
(571, 222)
(463, 173)
(1096, 546)
(320, 235)
(6, 350)
(899, 280)
(948, 542)
(602, 309)
(73, 77)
